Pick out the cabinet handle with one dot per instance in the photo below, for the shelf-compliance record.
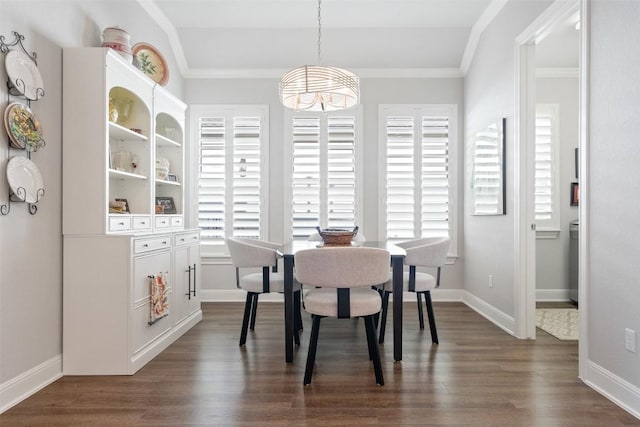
(146, 245)
(143, 222)
(188, 294)
(194, 279)
(182, 240)
(121, 223)
(164, 242)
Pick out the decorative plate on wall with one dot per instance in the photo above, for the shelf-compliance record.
(24, 74)
(151, 62)
(22, 127)
(25, 179)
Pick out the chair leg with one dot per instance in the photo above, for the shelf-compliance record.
(432, 319)
(373, 348)
(245, 318)
(297, 310)
(420, 315)
(369, 343)
(313, 345)
(254, 310)
(383, 320)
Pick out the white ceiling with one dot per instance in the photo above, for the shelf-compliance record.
(214, 37)
(264, 38)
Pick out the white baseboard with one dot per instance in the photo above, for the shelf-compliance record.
(24, 385)
(552, 295)
(614, 388)
(497, 317)
(238, 295)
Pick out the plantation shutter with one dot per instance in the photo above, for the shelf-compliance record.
(341, 172)
(233, 166)
(305, 180)
(546, 158)
(400, 178)
(246, 177)
(487, 176)
(211, 192)
(435, 176)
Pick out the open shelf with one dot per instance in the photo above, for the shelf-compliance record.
(125, 175)
(163, 141)
(121, 133)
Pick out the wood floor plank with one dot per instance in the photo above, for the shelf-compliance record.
(477, 376)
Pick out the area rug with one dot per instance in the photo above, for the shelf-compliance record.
(562, 323)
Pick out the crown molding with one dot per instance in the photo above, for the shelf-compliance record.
(363, 73)
(561, 73)
(172, 34)
(476, 31)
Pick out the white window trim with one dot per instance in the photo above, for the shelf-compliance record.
(451, 111)
(550, 229)
(197, 111)
(288, 160)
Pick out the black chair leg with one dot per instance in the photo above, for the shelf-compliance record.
(313, 345)
(383, 320)
(373, 348)
(254, 310)
(297, 310)
(369, 343)
(420, 315)
(245, 318)
(432, 319)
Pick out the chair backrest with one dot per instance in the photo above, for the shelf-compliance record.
(426, 252)
(252, 253)
(342, 267)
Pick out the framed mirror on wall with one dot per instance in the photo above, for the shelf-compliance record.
(488, 180)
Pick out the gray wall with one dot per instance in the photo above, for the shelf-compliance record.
(489, 94)
(31, 246)
(552, 255)
(614, 156)
(218, 274)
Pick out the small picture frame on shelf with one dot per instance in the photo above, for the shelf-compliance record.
(575, 194)
(126, 205)
(172, 178)
(168, 207)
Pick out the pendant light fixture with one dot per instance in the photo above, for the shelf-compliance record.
(318, 87)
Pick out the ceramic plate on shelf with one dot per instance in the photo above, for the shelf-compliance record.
(25, 179)
(23, 74)
(148, 59)
(22, 127)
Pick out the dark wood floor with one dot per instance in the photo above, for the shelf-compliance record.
(477, 376)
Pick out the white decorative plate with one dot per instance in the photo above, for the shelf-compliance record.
(24, 74)
(24, 179)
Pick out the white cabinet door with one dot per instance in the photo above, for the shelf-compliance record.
(187, 280)
(145, 329)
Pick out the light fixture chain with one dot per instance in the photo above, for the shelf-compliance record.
(319, 32)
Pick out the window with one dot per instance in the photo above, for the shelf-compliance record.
(233, 174)
(488, 178)
(417, 178)
(324, 189)
(547, 217)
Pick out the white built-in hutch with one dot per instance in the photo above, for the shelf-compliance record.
(123, 217)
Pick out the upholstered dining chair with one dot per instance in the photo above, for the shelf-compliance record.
(252, 253)
(425, 252)
(343, 277)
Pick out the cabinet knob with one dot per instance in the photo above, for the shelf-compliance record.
(145, 245)
(121, 223)
(164, 242)
(182, 240)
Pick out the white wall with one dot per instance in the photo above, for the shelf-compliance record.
(552, 255)
(218, 274)
(31, 246)
(614, 228)
(490, 94)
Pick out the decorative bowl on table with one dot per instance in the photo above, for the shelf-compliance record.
(337, 236)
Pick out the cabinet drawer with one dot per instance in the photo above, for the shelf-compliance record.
(176, 221)
(119, 223)
(163, 222)
(186, 238)
(151, 244)
(141, 222)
